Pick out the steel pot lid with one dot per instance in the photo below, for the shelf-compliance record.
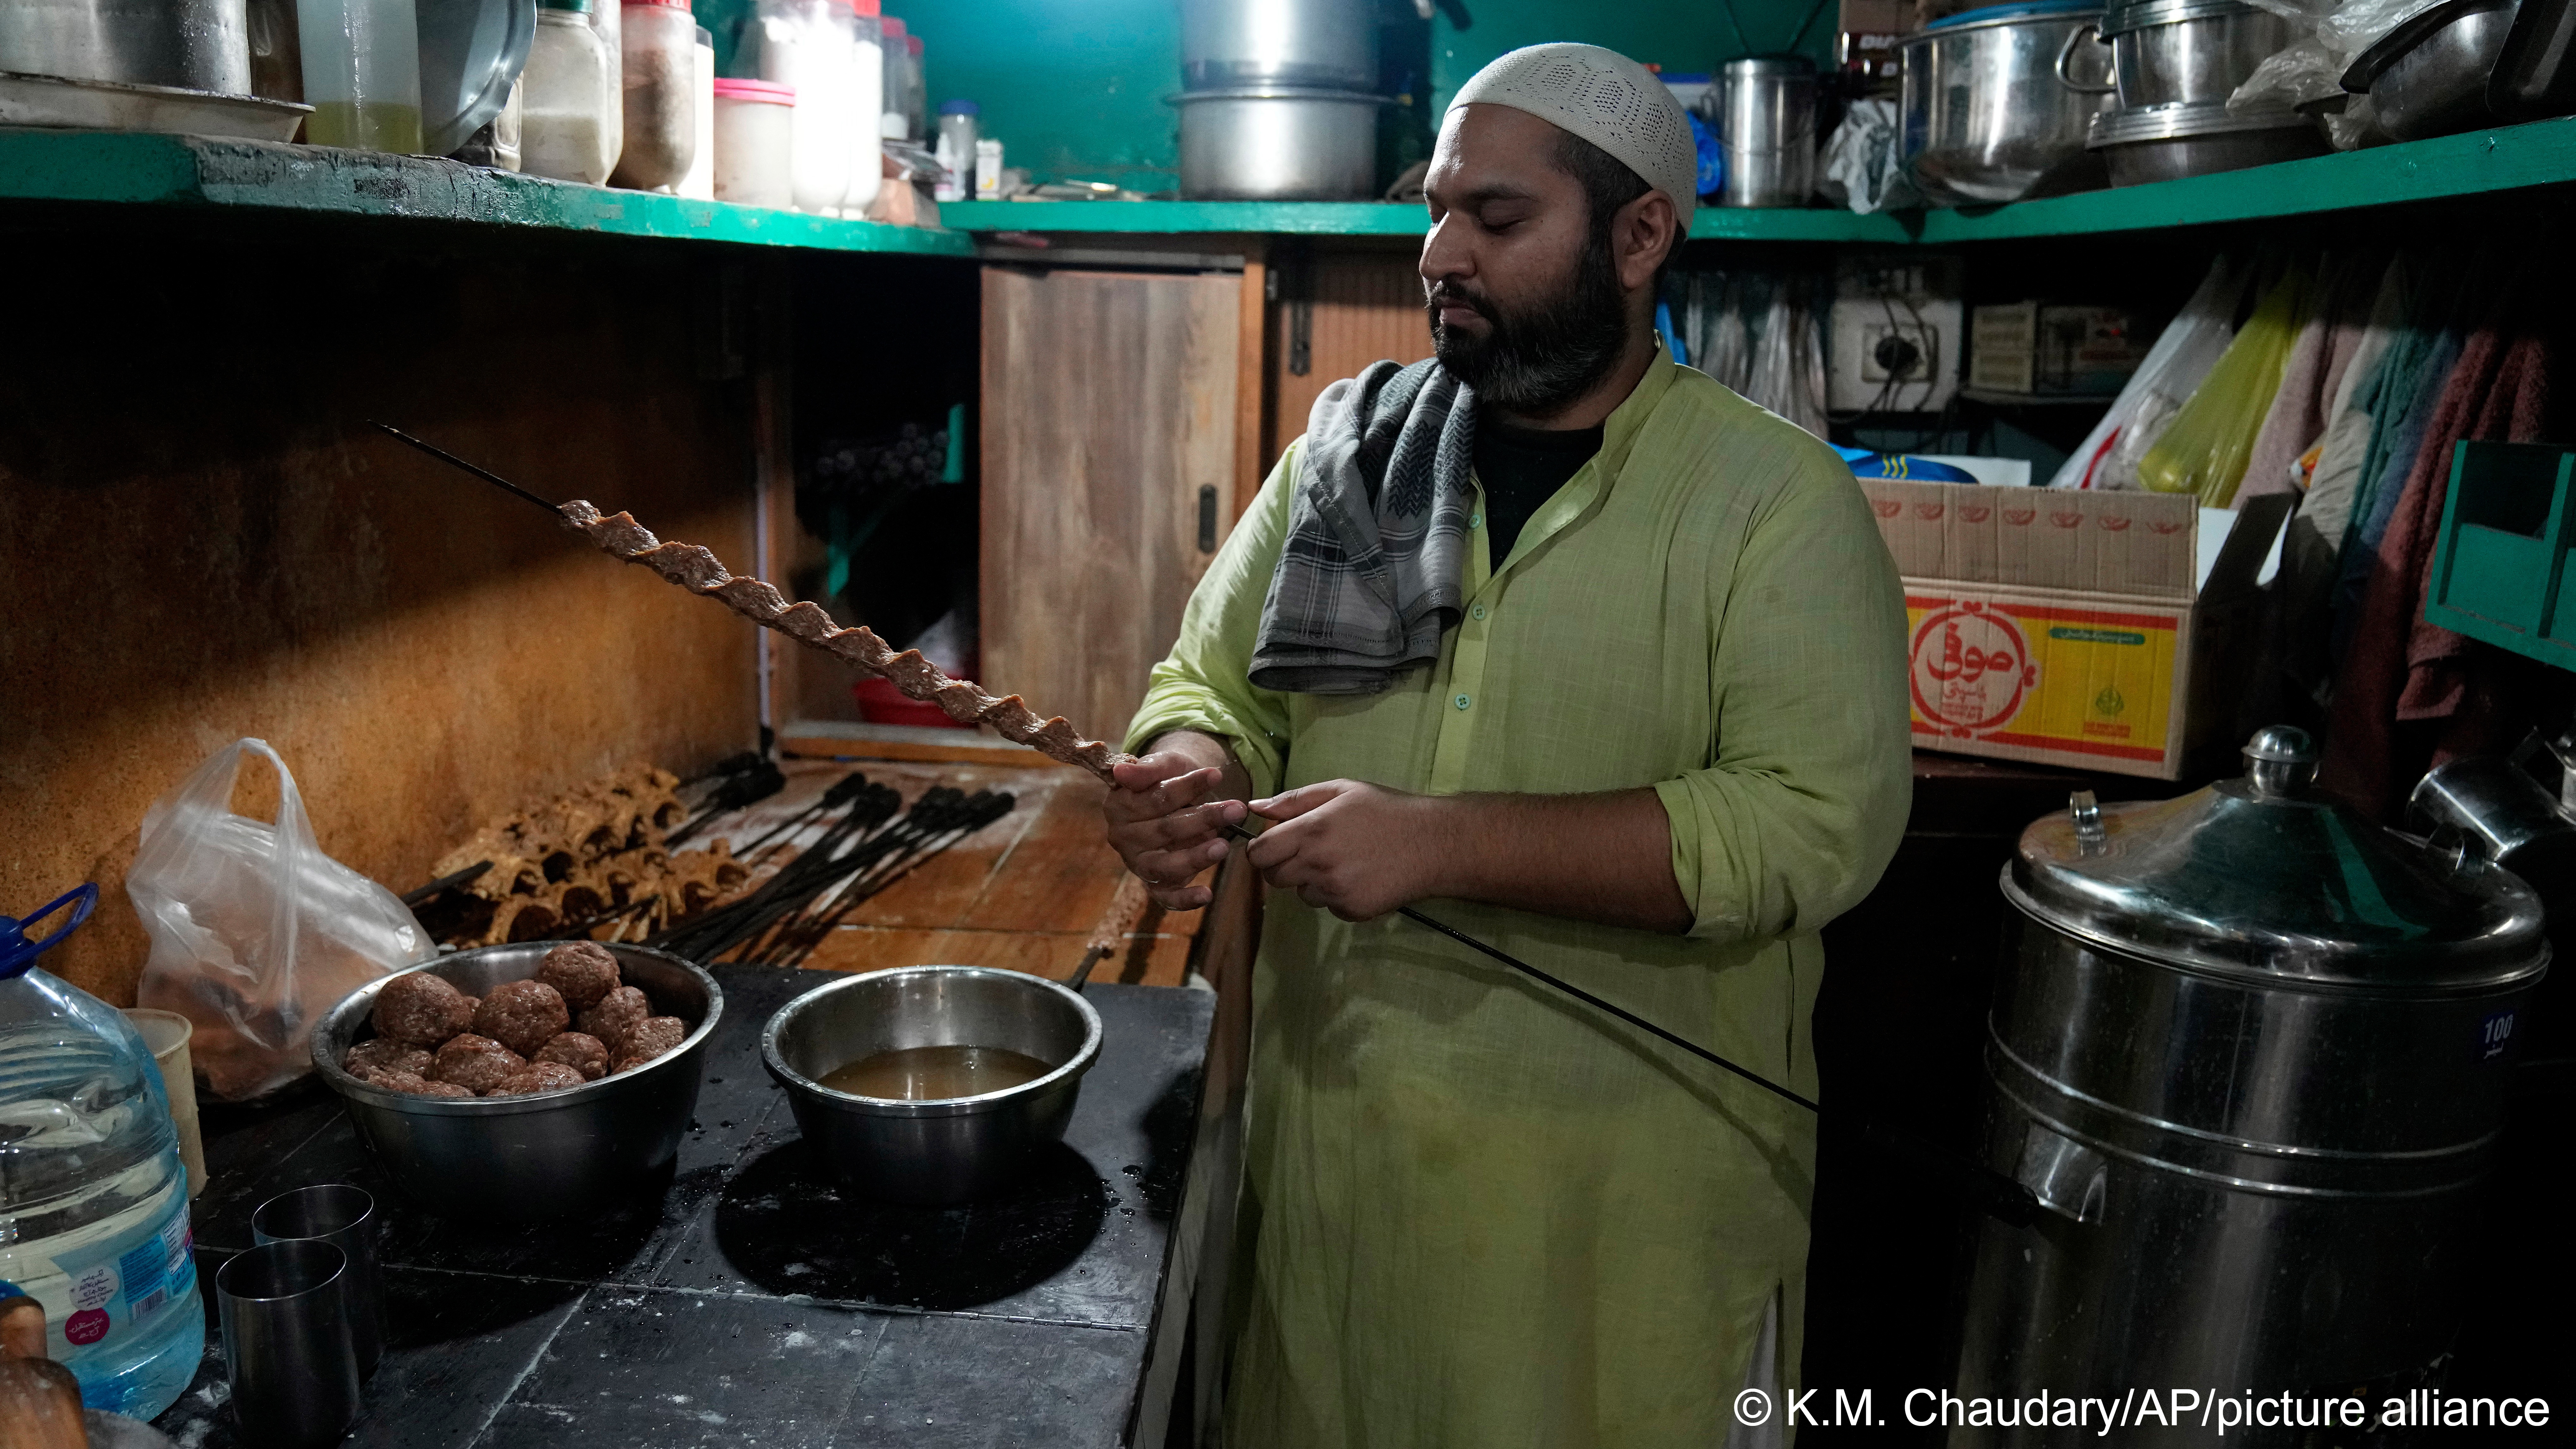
(2121, 19)
(2259, 877)
(2177, 119)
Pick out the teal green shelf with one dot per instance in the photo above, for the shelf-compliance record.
(191, 171)
(2510, 158)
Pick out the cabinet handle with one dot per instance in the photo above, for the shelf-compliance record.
(1207, 518)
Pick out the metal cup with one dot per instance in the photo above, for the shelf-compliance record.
(344, 1217)
(286, 1343)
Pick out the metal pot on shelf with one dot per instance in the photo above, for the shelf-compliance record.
(1985, 117)
(1279, 100)
(1767, 128)
(2250, 1053)
(2171, 52)
(2199, 138)
(2428, 77)
(196, 45)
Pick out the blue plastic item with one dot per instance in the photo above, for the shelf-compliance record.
(2025, 11)
(960, 108)
(1905, 466)
(1672, 339)
(1712, 156)
(91, 1187)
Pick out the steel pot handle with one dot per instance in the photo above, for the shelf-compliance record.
(2066, 54)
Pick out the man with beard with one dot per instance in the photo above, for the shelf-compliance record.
(1605, 665)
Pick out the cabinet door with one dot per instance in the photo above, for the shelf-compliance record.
(1108, 434)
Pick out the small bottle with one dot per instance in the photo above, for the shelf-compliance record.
(563, 97)
(93, 1192)
(988, 169)
(957, 123)
(361, 64)
(659, 76)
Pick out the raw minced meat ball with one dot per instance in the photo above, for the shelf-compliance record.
(384, 1054)
(581, 971)
(616, 1014)
(476, 1063)
(580, 1051)
(521, 1015)
(536, 1077)
(421, 1009)
(415, 1084)
(650, 1038)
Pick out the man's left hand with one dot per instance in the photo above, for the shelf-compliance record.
(1354, 849)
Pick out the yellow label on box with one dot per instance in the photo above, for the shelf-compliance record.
(2052, 676)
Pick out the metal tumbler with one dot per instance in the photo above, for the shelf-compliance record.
(286, 1343)
(344, 1217)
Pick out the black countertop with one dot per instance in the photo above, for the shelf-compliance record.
(746, 1299)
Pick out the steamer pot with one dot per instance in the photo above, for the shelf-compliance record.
(1986, 118)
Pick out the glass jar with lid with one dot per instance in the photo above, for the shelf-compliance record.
(754, 141)
(807, 44)
(563, 97)
(658, 76)
(361, 65)
(894, 123)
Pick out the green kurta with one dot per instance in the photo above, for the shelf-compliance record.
(1477, 1213)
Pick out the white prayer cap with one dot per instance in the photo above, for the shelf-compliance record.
(1605, 98)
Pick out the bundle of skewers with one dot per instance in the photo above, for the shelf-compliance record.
(862, 840)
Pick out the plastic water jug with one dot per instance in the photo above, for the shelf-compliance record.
(93, 1197)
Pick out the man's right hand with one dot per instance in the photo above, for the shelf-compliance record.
(1168, 813)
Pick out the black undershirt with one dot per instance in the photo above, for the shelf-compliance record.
(1521, 468)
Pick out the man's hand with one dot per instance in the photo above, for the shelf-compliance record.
(1354, 849)
(1168, 814)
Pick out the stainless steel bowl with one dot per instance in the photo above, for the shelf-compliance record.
(547, 1154)
(2168, 52)
(196, 45)
(2167, 143)
(2428, 77)
(1986, 118)
(937, 1151)
(1278, 143)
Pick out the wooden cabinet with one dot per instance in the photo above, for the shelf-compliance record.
(1109, 462)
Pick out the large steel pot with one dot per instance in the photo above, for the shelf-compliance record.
(1986, 118)
(2196, 138)
(2249, 1052)
(1766, 125)
(1312, 44)
(196, 45)
(934, 1151)
(2168, 52)
(2428, 77)
(548, 1154)
(1276, 143)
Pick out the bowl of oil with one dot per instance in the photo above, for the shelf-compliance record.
(932, 1084)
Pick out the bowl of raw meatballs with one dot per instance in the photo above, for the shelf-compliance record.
(523, 1082)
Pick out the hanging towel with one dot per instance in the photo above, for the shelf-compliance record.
(1373, 571)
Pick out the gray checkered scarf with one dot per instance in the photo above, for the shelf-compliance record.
(1374, 569)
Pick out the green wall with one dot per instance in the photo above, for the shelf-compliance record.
(1074, 88)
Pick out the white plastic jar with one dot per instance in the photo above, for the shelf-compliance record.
(658, 74)
(563, 98)
(806, 44)
(701, 180)
(755, 134)
(867, 107)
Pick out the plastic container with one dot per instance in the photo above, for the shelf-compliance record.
(608, 18)
(894, 122)
(701, 180)
(361, 63)
(92, 1185)
(958, 121)
(917, 96)
(563, 98)
(988, 169)
(658, 75)
(867, 107)
(755, 137)
(807, 44)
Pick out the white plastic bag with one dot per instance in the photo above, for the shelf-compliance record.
(2182, 355)
(255, 932)
(1863, 165)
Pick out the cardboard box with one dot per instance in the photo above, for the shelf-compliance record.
(2071, 628)
(1865, 41)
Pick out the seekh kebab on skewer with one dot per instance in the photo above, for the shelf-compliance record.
(696, 569)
